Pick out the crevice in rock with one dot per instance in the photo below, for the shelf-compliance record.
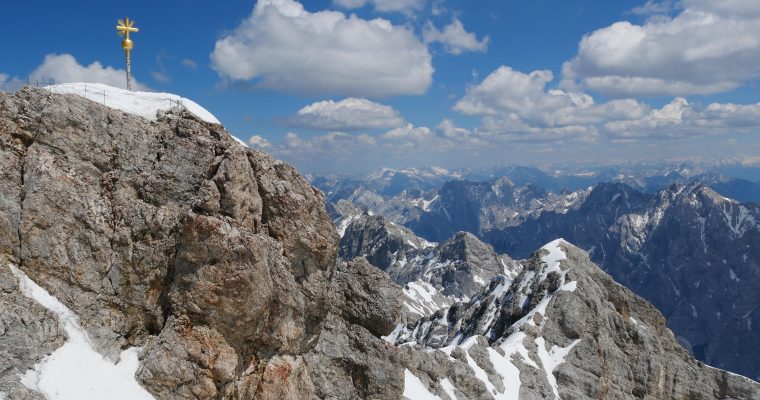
(27, 142)
(164, 301)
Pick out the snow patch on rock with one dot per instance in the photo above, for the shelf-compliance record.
(75, 370)
(414, 389)
(144, 104)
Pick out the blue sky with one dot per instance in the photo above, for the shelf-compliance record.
(351, 85)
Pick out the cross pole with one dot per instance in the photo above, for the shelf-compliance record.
(124, 28)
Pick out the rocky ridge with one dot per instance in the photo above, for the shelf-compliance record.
(458, 205)
(433, 275)
(562, 329)
(218, 266)
(689, 250)
(167, 235)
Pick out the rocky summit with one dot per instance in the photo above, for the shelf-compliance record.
(159, 258)
(167, 235)
(563, 329)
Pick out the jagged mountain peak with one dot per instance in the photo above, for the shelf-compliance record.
(561, 329)
(167, 237)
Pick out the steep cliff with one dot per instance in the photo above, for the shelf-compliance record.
(167, 235)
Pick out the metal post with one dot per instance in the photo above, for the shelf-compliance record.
(129, 72)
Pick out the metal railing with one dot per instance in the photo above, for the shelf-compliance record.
(92, 92)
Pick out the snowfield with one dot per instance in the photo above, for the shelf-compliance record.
(76, 371)
(143, 104)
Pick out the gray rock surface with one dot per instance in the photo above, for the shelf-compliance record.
(216, 259)
(220, 263)
(572, 333)
(433, 275)
(690, 251)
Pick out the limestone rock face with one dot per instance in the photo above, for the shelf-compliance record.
(563, 329)
(434, 275)
(220, 263)
(168, 235)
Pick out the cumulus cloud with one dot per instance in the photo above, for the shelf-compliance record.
(5, 84)
(708, 47)
(449, 130)
(454, 38)
(64, 68)
(679, 119)
(281, 46)
(516, 106)
(346, 115)
(403, 6)
(259, 142)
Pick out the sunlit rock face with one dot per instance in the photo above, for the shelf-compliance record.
(211, 269)
(168, 235)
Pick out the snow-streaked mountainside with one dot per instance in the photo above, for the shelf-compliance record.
(689, 250)
(76, 371)
(686, 247)
(433, 275)
(561, 330)
(457, 206)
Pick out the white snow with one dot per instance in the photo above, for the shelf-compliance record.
(144, 104)
(414, 389)
(75, 370)
(345, 223)
(2, 396)
(426, 203)
(552, 359)
(391, 338)
(552, 260)
(480, 373)
(421, 293)
(445, 384)
(733, 276)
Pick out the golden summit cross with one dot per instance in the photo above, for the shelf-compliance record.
(125, 27)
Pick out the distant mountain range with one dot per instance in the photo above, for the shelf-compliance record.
(689, 248)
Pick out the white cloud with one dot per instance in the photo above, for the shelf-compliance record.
(653, 7)
(515, 106)
(404, 6)
(409, 132)
(346, 115)
(449, 130)
(5, 83)
(679, 119)
(455, 39)
(259, 142)
(284, 47)
(189, 64)
(518, 107)
(709, 47)
(64, 68)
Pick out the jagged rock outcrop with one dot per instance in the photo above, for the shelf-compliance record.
(689, 250)
(168, 235)
(562, 329)
(219, 263)
(459, 205)
(433, 275)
